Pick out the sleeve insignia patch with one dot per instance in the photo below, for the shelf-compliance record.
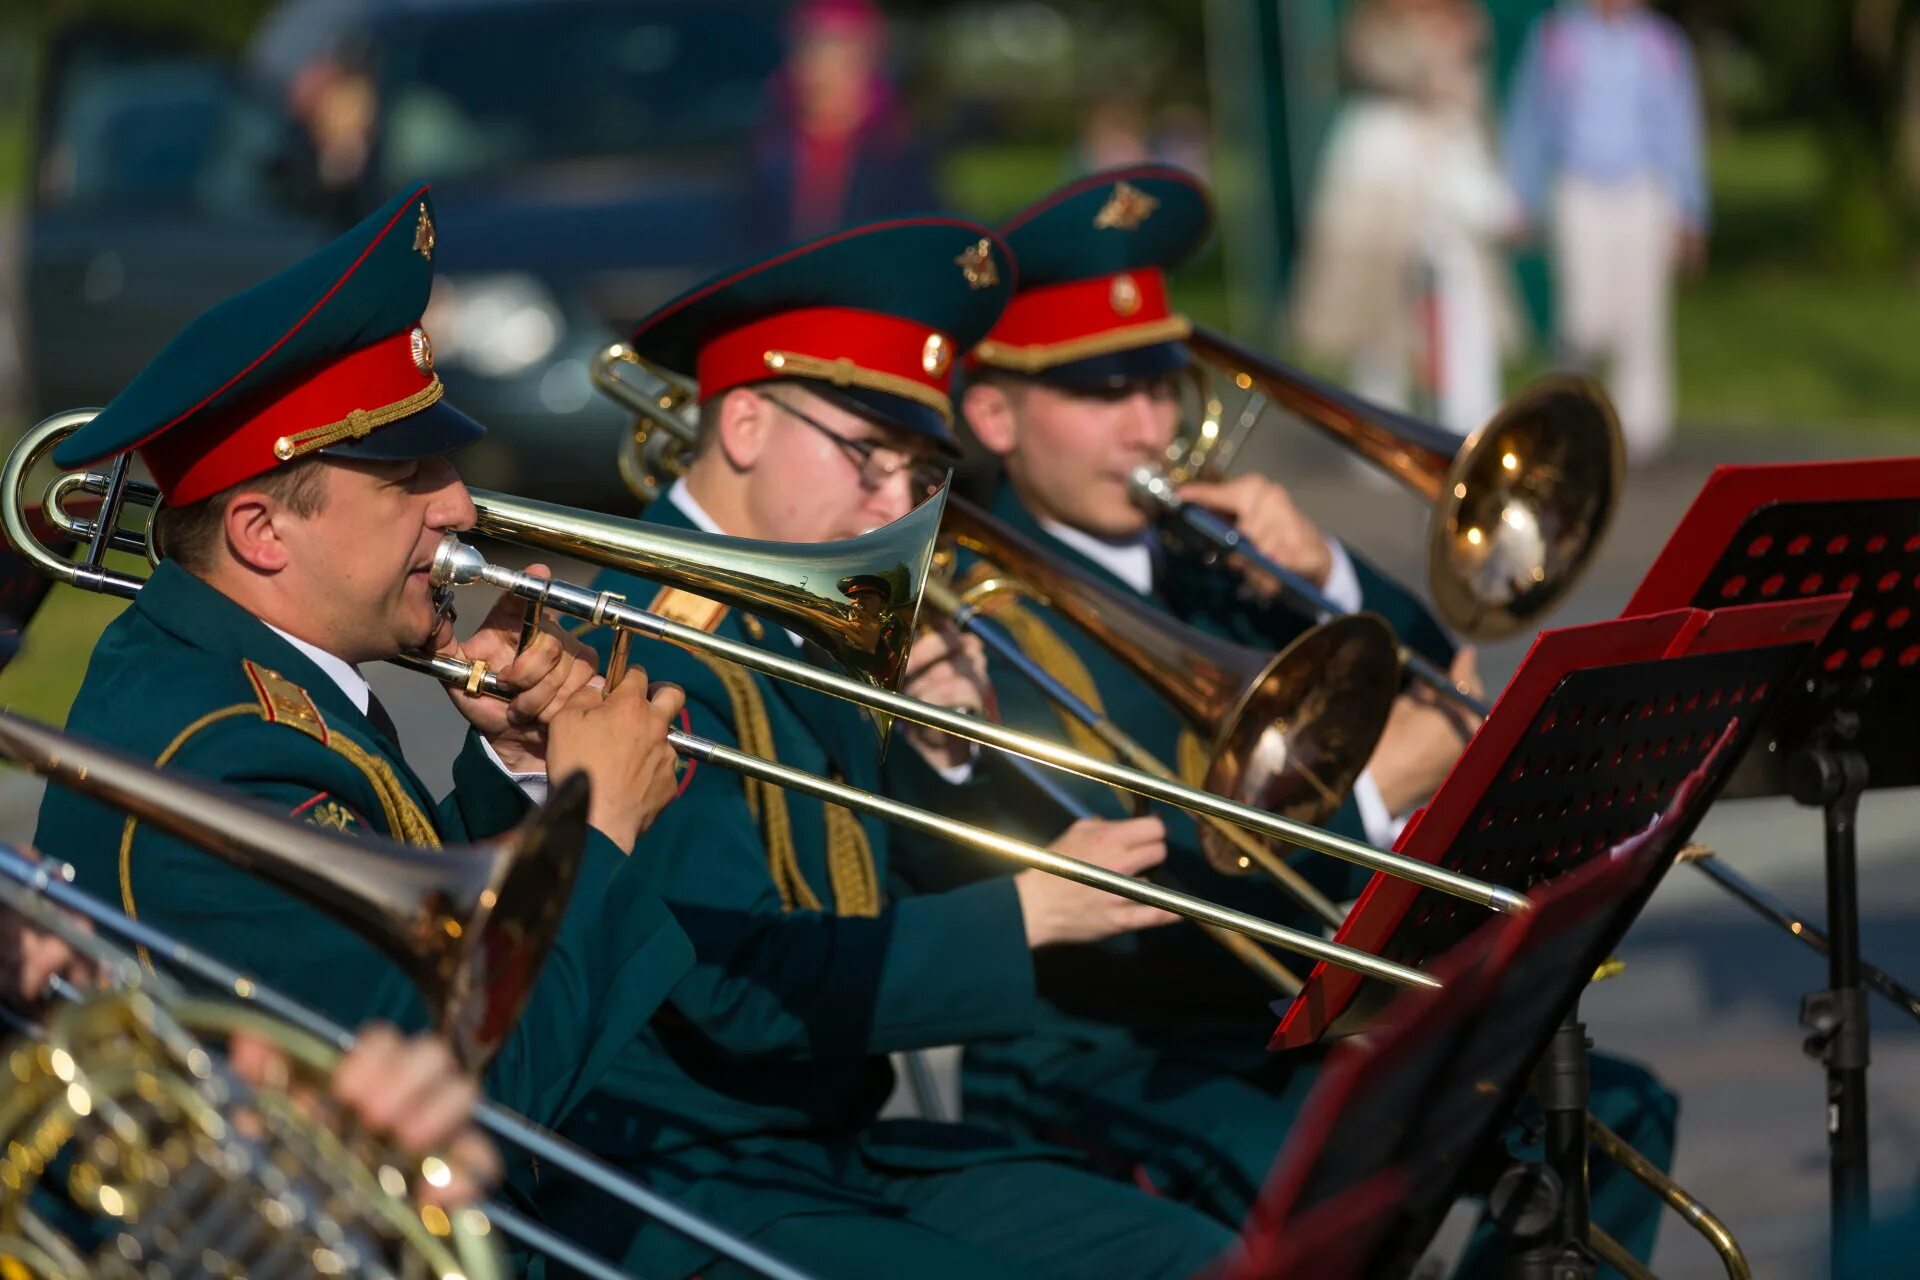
(324, 811)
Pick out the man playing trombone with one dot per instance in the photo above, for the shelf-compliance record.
(823, 375)
(1151, 1049)
(296, 432)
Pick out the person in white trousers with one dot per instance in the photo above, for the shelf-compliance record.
(1604, 147)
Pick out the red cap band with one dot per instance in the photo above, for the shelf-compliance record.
(344, 400)
(1057, 323)
(840, 345)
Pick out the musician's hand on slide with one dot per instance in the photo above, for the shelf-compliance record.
(1424, 736)
(31, 957)
(948, 669)
(1059, 910)
(1267, 517)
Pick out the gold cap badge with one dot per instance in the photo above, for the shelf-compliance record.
(1124, 295)
(977, 265)
(422, 348)
(936, 355)
(423, 233)
(1125, 209)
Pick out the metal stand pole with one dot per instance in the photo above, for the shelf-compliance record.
(1559, 1249)
(1832, 775)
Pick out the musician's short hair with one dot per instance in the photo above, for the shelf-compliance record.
(191, 535)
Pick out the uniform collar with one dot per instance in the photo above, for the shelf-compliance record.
(689, 506)
(1130, 560)
(199, 615)
(343, 673)
(1007, 506)
(682, 497)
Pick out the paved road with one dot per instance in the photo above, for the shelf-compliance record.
(1710, 992)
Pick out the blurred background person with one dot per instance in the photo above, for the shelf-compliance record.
(1604, 145)
(1402, 275)
(836, 146)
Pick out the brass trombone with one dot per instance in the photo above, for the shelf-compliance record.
(705, 559)
(654, 450)
(1286, 732)
(1519, 508)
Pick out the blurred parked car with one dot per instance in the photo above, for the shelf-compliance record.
(589, 159)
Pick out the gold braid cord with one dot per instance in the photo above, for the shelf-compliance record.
(283, 702)
(1044, 646)
(1193, 760)
(855, 881)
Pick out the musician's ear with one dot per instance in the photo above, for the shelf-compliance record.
(989, 410)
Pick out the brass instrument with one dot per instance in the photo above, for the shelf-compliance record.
(470, 926)
(1153, 490)
(181, 1161)
(1519, 508)
(459, 565)
(1288, 732)
(1702, 1219)
(653, 452)
(376, 876)
(704, 555)
(124, 1085)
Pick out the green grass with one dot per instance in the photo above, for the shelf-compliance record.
(1775, 339)
(1787, 351)
(42, 680)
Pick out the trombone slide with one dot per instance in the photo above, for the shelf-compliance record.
(933, 824)
(459, 565)
(1152, 487)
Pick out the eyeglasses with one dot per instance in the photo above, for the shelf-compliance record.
(876, 463)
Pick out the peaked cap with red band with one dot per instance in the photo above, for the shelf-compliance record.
(1092, 307)
(874, 317)
(327, 357)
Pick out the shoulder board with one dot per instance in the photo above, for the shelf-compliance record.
(284, 702)
(688, 609)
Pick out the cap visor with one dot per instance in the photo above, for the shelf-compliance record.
(439, 428)
(1134, 365)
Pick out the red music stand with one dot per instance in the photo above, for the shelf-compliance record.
(1585, 747)
(1386, 1140)
(1778, 532)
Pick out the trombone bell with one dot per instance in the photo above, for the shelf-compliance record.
(858, 599)
(1519, 509)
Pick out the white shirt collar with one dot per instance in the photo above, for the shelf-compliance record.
(339, 670)
(1130, 561)
(682, 497)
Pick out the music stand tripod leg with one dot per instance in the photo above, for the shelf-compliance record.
(1831, 774)
(1545, 1207)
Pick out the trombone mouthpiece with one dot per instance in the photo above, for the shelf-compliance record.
(1152, 488)
(456, 564)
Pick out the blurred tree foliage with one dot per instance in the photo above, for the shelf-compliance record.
(1848, 68)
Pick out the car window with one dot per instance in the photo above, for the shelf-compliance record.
(489, 89)
(155, 135)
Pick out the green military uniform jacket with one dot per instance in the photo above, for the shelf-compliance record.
(187, 675)
(754, 1094)
(1168, 994)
